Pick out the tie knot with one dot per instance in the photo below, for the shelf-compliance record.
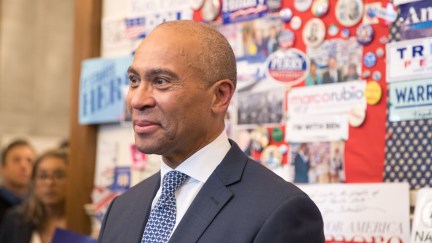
(172, 180)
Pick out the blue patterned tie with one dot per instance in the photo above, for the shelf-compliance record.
(163, 216)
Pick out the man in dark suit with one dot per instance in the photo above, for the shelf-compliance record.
(333, 74)
(16, 163)
(181, 83)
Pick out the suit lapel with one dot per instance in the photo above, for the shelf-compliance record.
(212, 197)
(140, 210)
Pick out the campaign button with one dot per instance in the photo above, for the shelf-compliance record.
(296, 23)
(332, 30)
(349, 12)
(369, 59)
(373, 92)
(366, 74)
(286, 14)
(365, 34)
(345, 33)
(320, 7)
(302, 5)
(314, 32)
(210, 10)
(376, 75)
(379, 52)
(196, 4)
(286, 39)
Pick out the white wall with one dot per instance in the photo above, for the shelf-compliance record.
(36, 40)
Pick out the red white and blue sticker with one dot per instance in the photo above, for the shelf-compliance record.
(239, 10)
(287, 66)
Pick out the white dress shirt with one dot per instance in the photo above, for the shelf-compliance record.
(198, 167)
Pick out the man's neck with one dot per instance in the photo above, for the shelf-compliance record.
(16, 190)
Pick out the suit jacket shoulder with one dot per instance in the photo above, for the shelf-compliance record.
(14, 228)
(127, 215)
(242, 201)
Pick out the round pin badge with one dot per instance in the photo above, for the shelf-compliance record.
(271, 157)
(369, 59)
(296, 23)
(376, 75)
(260, 138)
(356, 115)
(345, 33)
(379, 52)
(283, 149)
(196, 4)
(210, 10)
(277, 134)
(373, 92)
(320, 7)
(302, 5)
(364, 34)
(366, 74)
(286, 14)
(349, 12)
(314, 32)
(332, 30)
(286, 39)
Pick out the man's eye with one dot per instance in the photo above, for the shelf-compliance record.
(133, 79)
(160, 81)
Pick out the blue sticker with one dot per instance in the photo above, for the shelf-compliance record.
(369, 59)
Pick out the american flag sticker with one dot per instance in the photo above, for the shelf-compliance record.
(135, 28)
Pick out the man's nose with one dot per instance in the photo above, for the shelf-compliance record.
(141, 97)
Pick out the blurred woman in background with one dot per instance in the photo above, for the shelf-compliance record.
(36, 219)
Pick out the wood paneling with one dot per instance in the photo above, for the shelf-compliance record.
(87, 34)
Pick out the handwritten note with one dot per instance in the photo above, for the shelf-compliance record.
(375, 212)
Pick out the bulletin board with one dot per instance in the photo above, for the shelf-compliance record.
(312, 100)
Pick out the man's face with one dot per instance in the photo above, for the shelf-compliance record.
(16, 170)
(332, 63)
(168, 101)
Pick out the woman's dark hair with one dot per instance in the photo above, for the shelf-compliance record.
(32, 208)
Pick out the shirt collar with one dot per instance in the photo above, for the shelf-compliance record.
(201, 164)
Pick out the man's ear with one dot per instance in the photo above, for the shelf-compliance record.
(223, 92)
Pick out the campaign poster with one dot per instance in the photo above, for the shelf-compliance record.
(422, 222)
(326, 99)
(373, 212)
(415, 20)
(409, 60)
(317, 128)
(318, 162)
(334, 61)
(119, 165)
(410, 100)
(239, 10)
(101, 97)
